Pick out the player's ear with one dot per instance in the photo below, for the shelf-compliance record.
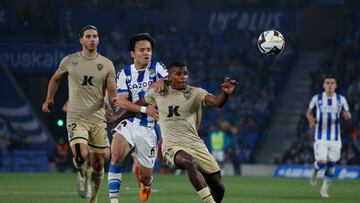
(132, 54)
(81, 40)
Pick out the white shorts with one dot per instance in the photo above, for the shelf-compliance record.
(327, 151)
(143, 139)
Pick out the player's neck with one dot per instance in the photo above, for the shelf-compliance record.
(329, 94)
(88, 54)
(140, 66)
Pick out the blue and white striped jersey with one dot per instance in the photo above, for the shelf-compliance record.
(136, 82)
(328, 113)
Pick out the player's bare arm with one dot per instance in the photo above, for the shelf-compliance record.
(311, 119)
(123, 103)
(52, 88)
(227, 88)
(158, 85)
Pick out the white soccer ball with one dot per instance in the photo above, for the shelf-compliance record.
(271, 42)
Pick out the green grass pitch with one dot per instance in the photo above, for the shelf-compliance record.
(60, 188)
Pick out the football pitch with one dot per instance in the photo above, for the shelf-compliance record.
(60, 188)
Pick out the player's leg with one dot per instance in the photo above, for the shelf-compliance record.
(334, 151)
(96, 174)
(146, 150)
(98, 146)
(78, 139)
(216, 185)
(320, 153)
(120, 147)
(186, 161)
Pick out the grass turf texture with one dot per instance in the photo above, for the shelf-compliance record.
(60, 188)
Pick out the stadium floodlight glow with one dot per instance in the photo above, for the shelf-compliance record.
(60, 122)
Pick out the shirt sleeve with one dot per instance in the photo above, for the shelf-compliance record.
(201, 93)
(161, 70)
(121, 87)
(63, 66)
(344, 104)
(312, 103)
(149, 96)
(111, 75)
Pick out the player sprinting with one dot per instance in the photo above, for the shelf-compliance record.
(180, 107)
(89, 76)
(330, 106)
(136, 131)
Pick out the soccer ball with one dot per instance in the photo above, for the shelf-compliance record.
(271, 42)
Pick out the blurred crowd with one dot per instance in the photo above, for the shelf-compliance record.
(341, 58)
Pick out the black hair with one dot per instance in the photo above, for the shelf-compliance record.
(176, 64)
(329, 76)
(87, 27)
(139, 37)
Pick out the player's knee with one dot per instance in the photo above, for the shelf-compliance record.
(190, 163)
(116, 156)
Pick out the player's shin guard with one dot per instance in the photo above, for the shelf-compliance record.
(114, 178)
(96, 179)
(205, 195)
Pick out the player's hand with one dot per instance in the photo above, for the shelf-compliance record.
(47, 106)
(346, 115)
(158, 85)
(152, 111)
(229, 85)
(312, 123)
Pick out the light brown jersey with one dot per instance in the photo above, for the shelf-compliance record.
(87, 81)
(180, 115)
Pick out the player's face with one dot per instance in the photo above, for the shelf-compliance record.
(329, 85)
(90, 40)
(142, 53)
(178, 78)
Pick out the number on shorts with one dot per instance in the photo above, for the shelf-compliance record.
(71, 126)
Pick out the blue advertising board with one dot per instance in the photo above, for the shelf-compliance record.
(341, 172)
(35, 58)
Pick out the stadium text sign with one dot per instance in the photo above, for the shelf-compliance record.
(341, 172)
(33, 57)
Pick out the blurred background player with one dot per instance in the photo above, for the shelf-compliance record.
(180, 108)
(136, 131)
(89, 75)
(327, 146)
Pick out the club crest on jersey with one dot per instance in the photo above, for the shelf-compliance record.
(74, 63)
(128, 78)
(187, 94)
(152, 73)
(100, 66)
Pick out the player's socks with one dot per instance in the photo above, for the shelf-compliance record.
(114, 179)
(325, 187)
(96, 180)
(205, 195)
(329, 173)
(82, 180)
(89, 171)
(317, 167)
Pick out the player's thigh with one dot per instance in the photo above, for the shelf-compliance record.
(320, 151)
(177, 157)
(145, 141)
(98, 140)
(78, 136)
(206, 161)
(334, 152)
(119, 148)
